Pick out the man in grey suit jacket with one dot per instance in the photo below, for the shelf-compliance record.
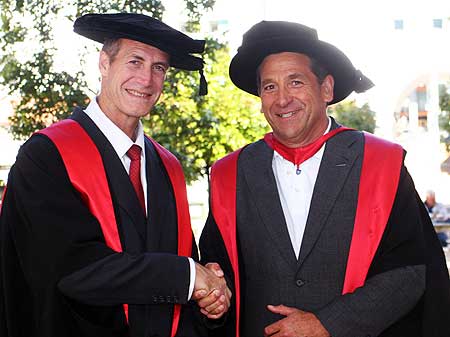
(292, 219)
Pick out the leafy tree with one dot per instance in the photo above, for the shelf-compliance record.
(197, 129)
(45, 96)
(349, 114)
(26, 28)
(195, 10)
(444, 117)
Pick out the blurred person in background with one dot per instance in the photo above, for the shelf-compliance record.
(438, 214)
(437, 211)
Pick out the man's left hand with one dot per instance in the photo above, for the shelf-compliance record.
(297, 323)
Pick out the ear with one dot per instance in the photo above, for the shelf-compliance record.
(327, 88)
(104, 63)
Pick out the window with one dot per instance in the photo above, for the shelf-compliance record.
(398, 24)
(421, 96)
(213, 26)
(437, 23)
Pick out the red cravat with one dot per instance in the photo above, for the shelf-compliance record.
(134, 153)
(300, 154)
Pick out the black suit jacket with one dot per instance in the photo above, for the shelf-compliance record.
(58, 276)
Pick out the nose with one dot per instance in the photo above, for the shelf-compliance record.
(145, 77)
(284, 97)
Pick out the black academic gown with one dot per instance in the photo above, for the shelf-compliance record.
(58, 277)
(409, 239)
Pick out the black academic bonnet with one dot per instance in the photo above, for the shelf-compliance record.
(145, 29)
(272, 37)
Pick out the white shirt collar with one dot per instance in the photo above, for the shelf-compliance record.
(118, 139)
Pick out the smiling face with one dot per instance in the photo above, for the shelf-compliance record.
(132, 81)
(292, 99)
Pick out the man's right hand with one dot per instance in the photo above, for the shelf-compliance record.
(211, 291)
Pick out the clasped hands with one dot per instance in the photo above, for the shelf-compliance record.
(211, 291)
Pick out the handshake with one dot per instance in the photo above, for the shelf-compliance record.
(211, 291)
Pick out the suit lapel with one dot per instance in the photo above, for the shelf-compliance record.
(153, 198)
(256, 165)
(122, 191)
(162, 225)
(337, 162)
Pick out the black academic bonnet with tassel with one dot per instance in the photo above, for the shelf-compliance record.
(272, 37)
(145, 29)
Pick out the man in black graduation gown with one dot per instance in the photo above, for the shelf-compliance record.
(59, 273)
(286, 227)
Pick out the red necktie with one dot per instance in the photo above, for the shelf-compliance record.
(299, 154)
(134, 153)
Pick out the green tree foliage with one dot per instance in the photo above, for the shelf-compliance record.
(27, 61)
(197, 129)
(349, 114)
(153, 8)
(195, 10)
(45, 96)
(444, 117)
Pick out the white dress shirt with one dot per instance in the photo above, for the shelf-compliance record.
(121, 144)
(295, 191)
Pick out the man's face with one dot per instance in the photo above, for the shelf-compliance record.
(132, 82)
(292, 100)
(431, 200)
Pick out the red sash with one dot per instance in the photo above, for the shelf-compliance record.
(69, 137)
(223, 207)
(382, 162)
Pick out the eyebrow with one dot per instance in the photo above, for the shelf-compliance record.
(296, 75)
(140, 58)
(290, 77)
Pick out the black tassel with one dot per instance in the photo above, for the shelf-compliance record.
(203, 90)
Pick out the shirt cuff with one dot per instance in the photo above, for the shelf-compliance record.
(192, 274)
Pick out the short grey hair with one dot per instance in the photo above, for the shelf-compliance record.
(111, 47)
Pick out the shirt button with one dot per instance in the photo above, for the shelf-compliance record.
(299, 283)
